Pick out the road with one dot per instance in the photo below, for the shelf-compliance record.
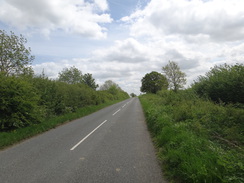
(111, 146)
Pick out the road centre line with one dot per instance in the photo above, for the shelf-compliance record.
(116, 112)
(123, 106)
(87, 135)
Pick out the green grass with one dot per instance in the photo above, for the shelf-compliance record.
(197, 140)
(15, 136)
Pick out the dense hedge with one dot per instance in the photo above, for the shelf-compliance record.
(18, 103)
(224, 83)
(28, 100)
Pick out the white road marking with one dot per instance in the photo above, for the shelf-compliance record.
(116, 112)
(123, 106)
(88, 135)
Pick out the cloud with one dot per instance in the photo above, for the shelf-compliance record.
(184, 63)
(218, 20)
(126, 51)
(101, 4)
(74, 16)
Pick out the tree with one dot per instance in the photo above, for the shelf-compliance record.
(14, 56)
(112, 88)
(153, 82)
(90, 81)
(175, 76)
(222, 83)
(71, 75)
(108, 84)
(133, 95)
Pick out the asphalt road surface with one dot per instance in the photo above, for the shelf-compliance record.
(110, 146)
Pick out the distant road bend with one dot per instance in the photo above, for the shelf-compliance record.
(109, 146)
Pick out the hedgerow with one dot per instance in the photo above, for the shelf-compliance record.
(29, 100)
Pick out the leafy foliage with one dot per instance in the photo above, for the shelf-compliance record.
(27, 100)
(70, 75)
(73, 75)
(223, 83)
(18, 103)
(154, 82)
(108, 84)
(90, 81)
(198, 140)
(176, 78)
(112, 88)
(14, 56)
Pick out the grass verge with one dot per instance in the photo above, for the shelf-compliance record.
(15, 136)
(198, 141)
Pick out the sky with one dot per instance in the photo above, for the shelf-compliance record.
(122, 40)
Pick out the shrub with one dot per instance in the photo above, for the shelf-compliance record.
(19, 103)
(50, 99)
(222, 83)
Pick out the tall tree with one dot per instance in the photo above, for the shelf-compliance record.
(70, 75)
(90, 81)
(14, 56)
(153, 82)
(176, 78)
(108, 84)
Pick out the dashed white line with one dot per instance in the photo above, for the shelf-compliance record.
(123, 106)
(116, 112)
(87, 135)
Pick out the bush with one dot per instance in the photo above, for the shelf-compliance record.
(222, 84)
(50, 99)
(19, 103)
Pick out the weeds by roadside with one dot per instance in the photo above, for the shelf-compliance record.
(197, 140)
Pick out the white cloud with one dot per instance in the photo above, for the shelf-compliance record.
(74, 16)
(102, 4)
(126, 51)
(219, 20)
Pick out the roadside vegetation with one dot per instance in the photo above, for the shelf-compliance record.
(30, 104)
(13, 136)
(33, 104)
(199, 131)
